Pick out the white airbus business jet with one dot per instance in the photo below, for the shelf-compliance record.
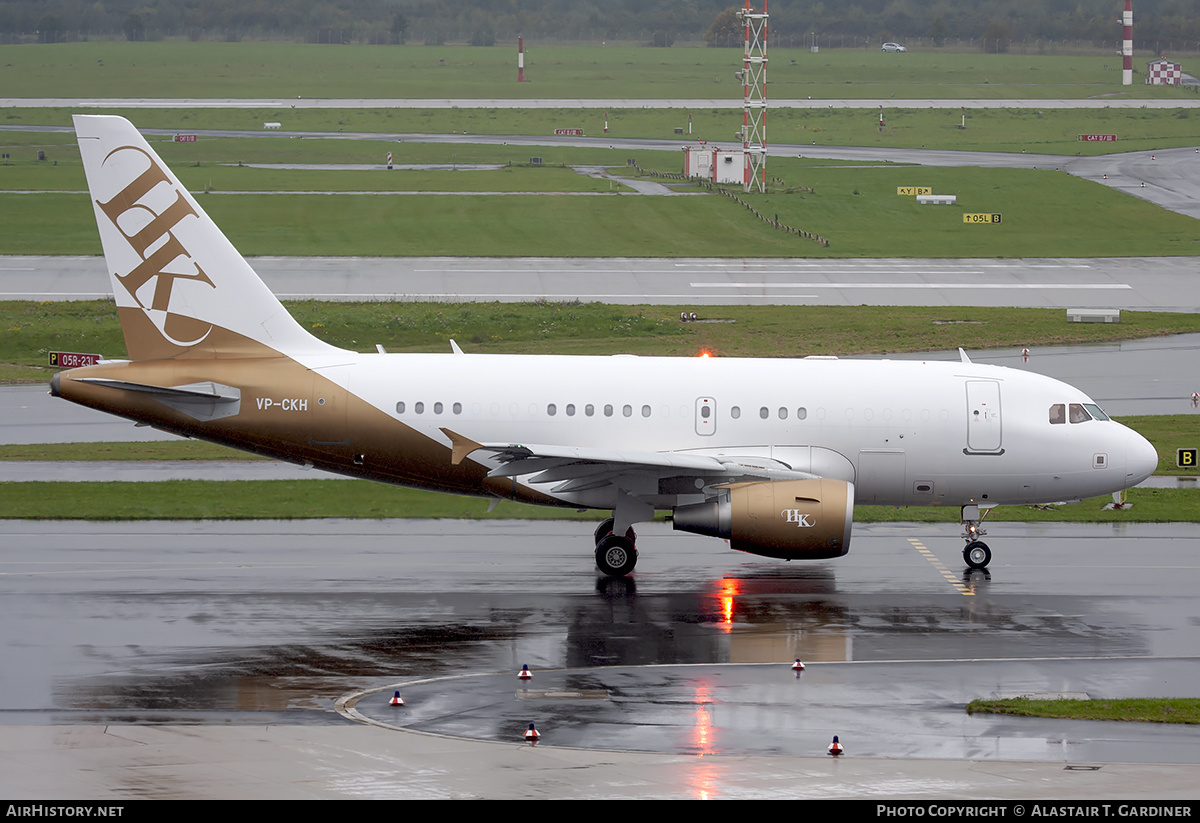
(768, 454)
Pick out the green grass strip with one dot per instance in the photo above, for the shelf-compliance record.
(177, 68)
(1017, 130)
(856, 209)
(306, 499)
(28, 329)
(1140, 710)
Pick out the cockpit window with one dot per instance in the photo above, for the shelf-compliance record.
(1076, 413)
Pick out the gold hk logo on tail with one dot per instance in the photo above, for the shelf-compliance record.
(147, 215)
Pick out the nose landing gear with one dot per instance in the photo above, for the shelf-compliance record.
(976, 554)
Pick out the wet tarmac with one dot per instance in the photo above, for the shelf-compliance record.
(900, 709)
(273, 623)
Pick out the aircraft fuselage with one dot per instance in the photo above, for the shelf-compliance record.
(904, 432)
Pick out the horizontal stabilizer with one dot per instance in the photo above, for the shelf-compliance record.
(200, 401)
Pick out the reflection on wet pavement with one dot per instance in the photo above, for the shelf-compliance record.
(255, 623)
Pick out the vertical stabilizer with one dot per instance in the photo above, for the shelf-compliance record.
(182, 289)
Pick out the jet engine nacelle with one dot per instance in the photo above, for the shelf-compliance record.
(789, 519)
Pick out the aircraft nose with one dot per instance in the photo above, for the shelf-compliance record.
(1140, 459)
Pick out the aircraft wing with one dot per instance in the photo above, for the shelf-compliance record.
(576, 469)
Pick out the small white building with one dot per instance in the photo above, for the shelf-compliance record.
(715, 164)
(1163, 72)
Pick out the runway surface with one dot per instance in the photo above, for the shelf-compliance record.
(1160, 284)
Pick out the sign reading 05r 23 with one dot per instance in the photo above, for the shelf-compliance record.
(981, 218)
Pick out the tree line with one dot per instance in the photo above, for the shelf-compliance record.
(992, 24)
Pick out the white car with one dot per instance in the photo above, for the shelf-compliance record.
(892, 47)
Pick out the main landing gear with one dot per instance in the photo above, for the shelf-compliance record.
(616, 555)
(976, 554)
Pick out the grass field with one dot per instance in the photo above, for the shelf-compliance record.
(225, 178)
(856, 209)
(1034, 131)
(303, 499)
(225, 165)
(285, 70)
(1142, 710)
(470, 226)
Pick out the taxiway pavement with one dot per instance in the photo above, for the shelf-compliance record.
(1152, 283)
(209, 659)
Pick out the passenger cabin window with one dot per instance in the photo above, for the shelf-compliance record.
(735, 412)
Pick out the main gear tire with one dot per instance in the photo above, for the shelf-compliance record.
(616, 556)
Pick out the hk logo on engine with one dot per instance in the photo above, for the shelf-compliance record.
(798, 517)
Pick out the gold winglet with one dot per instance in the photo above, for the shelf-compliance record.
(462, 446)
